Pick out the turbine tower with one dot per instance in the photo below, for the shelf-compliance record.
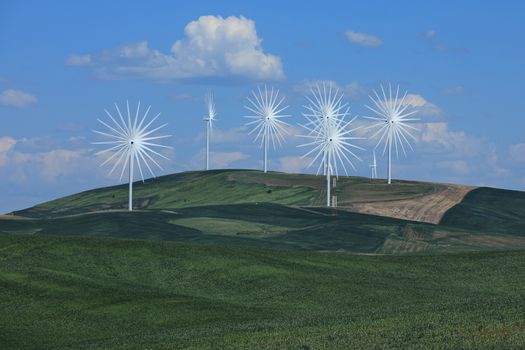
(268, 126)
(391, 122)
(373, 167)
(209, 119)
(130, 143)
(330, 142)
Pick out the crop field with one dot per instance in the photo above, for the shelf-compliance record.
(241, 260)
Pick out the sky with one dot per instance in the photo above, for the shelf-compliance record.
(63, 62)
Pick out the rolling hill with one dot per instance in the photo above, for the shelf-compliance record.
(285, 211)
(237, 259)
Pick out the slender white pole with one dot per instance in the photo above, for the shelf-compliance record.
(328, 187)
(266, 150)
(389, 160)
(207, 144)
(131, 158)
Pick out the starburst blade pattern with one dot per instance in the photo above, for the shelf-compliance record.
(328, 134)
(209, 119)
(391, 123)
(131, 143)
(267, 126)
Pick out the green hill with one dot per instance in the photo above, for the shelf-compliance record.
(489, 210)
(105, 293)
(236, 259)
(197, 188)
(285, 211)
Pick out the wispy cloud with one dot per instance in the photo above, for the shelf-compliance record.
(6, 144)
(363, 39)
(432, 39)
(456, 90)
(213, 47)
(294, 164)
(517, 152)
(17, 98)
(353, 90)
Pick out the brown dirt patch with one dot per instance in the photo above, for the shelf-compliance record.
(427, 208)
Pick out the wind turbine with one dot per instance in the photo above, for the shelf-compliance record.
(373, 167)
(392, 123)
(129, 143)
(331, 144)
(268, 126)
(209, 119)
(324, 109)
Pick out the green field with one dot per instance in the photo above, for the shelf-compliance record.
(102, 293)
(240, 259)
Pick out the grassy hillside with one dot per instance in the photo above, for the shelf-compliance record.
(277, 210)
(489, 210)
(103, 293)
(270, 226)
(190, 189)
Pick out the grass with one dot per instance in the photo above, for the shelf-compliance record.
(232, 259)
(67, 292)
(225, 187)
(490, 210)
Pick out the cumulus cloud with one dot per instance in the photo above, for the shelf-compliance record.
(6, 144)
(294, 164)
(423, 106)
(224, 159)
(363, 39)
(213, 47)
(442, 139)
(17, 98)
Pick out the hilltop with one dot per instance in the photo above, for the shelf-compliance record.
(285, 211)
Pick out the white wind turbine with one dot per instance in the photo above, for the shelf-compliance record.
(130, 142)
(268, 127)
(373, 167)
(324, 109)
(209, 119)
(392, 123)
(331, 143)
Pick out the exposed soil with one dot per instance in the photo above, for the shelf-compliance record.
(428, 208)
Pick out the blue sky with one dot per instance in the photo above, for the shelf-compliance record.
(63, 62)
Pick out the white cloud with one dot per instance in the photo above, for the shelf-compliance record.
(294, 164)
(517, 152)
(6, 144)
(430, 34)
(79, 60)
(352, 90)
(230, 135)
(423, 106)
(305, 87)
(363, 39)
(224, 159)
(16, 98)
(459, 167)
(355, 90)
(431, 38)
(213, 47)
(441, 139)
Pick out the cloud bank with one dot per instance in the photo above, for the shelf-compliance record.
(213, 47)
(16, 98)
(363, 39)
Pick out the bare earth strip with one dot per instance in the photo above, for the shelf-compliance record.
(428, 208)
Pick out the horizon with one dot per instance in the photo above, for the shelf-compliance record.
(463, 78)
